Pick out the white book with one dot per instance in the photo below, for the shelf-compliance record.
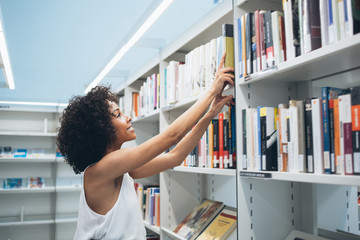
(301, 21)
(257, 162)
(207, 64)
(335, 10)
(250, 138)
(195, 70)
(348, 19)
(289, 37)
(341, 14)
(181, 82)
(213, 68)
(202, 68)
(317, 135)
(324, 22)
(276, 35)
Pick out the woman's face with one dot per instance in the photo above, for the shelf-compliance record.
(122, 123)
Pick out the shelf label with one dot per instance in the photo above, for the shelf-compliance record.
(255, 174)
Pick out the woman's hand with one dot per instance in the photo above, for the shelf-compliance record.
(223, 77)
(218, 103)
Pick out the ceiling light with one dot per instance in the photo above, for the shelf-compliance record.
(139, 33)
(5, 59)
(35, 103)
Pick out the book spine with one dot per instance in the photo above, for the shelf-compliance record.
(257, 40)
(221, 140)
(337, 136)
(355, 116)
(332, 136)
(263, 131)
(269, 45)
(317, 136)
(216, 142)
(262, 40)
(226, 142)
(243, 45)
(244, 141)
(308, 136)
(240, 64)
(326, 129)
(248, 42)
(253, 43)
(345, 120)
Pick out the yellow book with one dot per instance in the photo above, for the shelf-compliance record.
(221, 227)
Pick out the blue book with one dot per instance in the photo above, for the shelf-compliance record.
(329, 154)
(240, 48)
(20, 152)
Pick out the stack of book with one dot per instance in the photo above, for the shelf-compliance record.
(217, 147)
(149, 202)
(267, 38)
(317, 135)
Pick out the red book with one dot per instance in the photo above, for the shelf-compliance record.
(215, 123)
(221, 140)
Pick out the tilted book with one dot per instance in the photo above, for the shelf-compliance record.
(221, 227)
(198, 219)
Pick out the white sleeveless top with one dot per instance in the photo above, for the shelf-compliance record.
(122, 221)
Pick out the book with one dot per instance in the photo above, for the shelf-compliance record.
(283, 137)
(355, 116)
(328, 93)
(323, 8)
(216, 162)
(5, 151)
(221, 140)
(222, 226)
(36, 182)
(248, 44)
(198, 219)
(11, 183)
(269, 44)
(253, 43)
(228, 45)
(338, 157)
(244, 140)
(210, 163)
(318, 149)
(226, 138)
(309, 137)
(268, 139)
(240, 57)
(311, 25)
(37, 152)
(233, 134)
(20, 152)
(276, 17)
(345, 124)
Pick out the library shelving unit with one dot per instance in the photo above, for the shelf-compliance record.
(271, 204)
(182, 188)
(49, 212)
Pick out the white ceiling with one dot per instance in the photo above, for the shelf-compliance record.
(57, 47)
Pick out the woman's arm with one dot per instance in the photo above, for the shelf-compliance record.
(125, 160)
(185, 146)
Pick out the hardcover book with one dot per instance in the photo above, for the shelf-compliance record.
(198, 219)
(11, 183)
(222, 226)
(36, 182)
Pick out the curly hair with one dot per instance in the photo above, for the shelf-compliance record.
(86, 130)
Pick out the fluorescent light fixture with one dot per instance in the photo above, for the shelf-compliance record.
(5, 59)
(139, 33)
(35, 103)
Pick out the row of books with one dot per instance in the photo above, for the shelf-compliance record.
(217, 147)
(15, 183)
(183, 80)
(209, 220)
(8, 152)
(315, 135)
(149, 202)
(267, 38)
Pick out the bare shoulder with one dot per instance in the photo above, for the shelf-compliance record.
(100, 195)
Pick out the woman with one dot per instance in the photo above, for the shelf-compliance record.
(92, 132)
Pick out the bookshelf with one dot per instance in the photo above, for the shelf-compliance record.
(319, 204)
(42, 213)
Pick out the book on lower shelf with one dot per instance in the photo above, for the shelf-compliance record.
(222, 226)
(198, 219)
(12, 183)
(36, 182)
